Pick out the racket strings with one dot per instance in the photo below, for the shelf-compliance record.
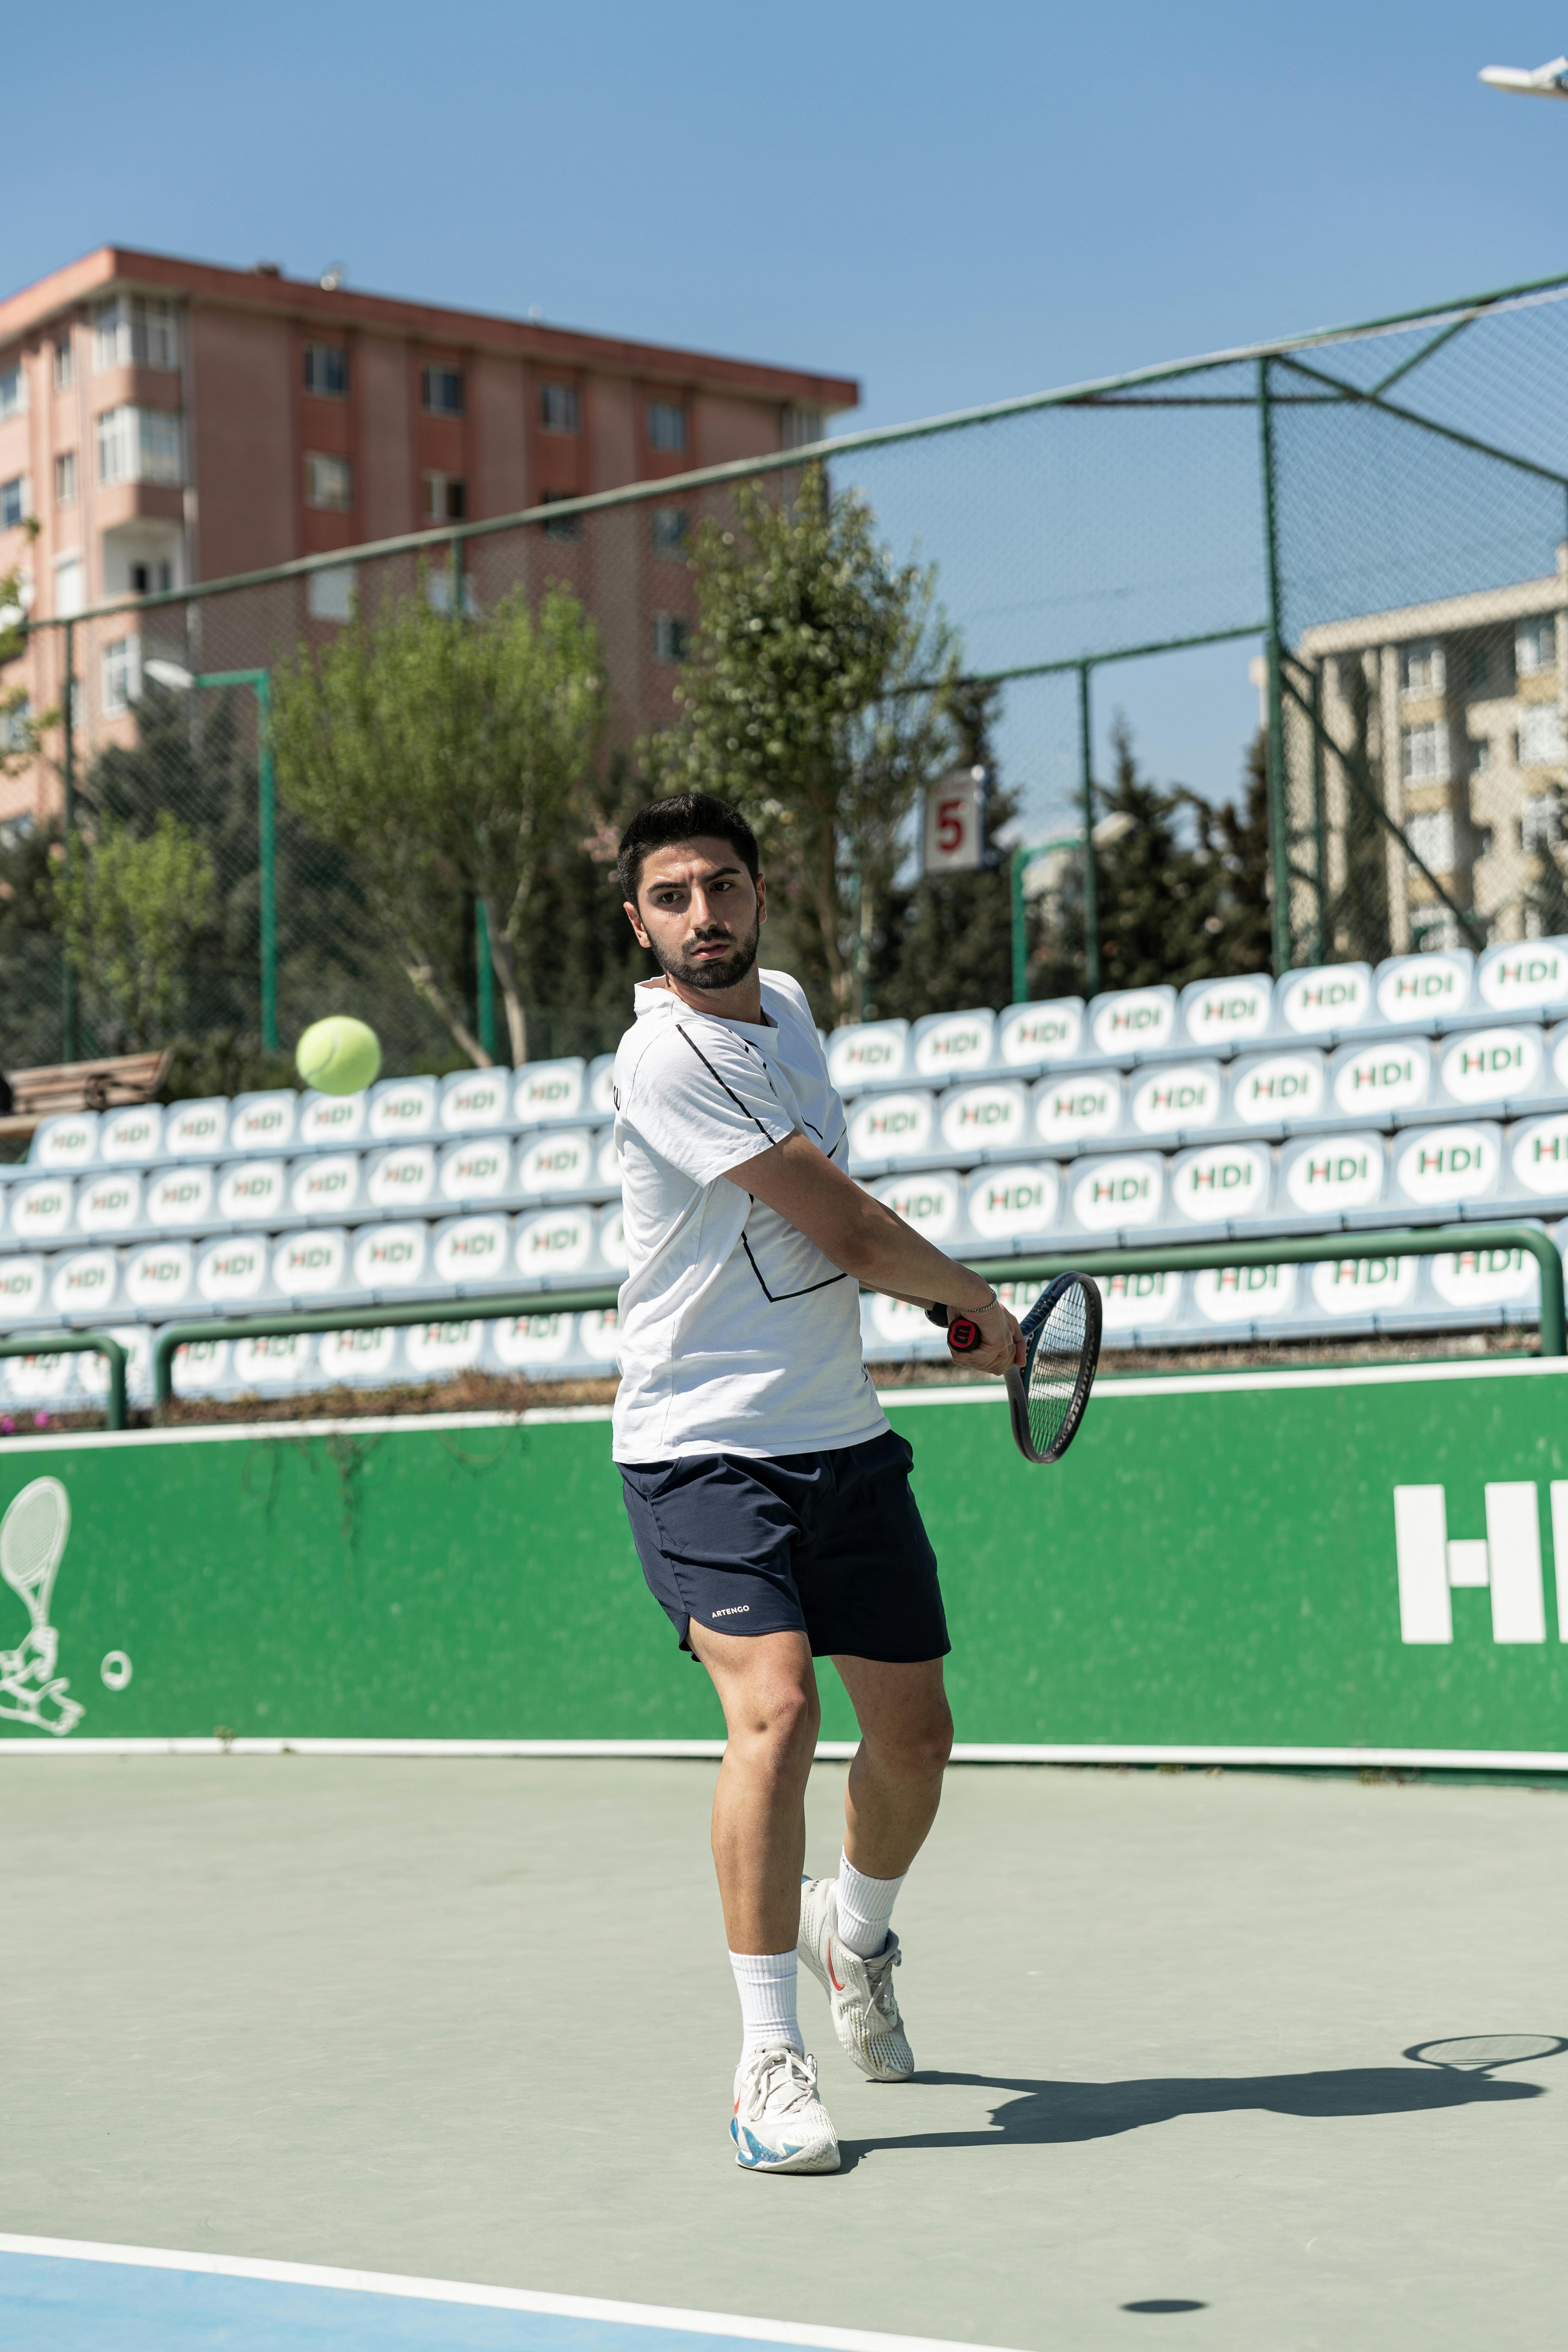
(1054, 1366)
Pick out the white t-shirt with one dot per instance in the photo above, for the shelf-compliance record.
(737, 1335)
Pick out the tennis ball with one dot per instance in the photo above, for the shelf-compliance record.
(339, 1056)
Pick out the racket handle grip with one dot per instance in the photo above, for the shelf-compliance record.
(963, 1333)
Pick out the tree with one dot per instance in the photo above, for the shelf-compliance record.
(21, 728)
(444, 755)
(129, 908)
(817, 697)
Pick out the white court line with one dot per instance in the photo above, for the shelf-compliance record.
(488, 2298)
(828, 1751)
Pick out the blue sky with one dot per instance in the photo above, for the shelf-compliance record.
(953, 206)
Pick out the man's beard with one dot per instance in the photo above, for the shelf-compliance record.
(715, 971)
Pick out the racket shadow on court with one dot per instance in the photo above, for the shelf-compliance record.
(1449, 2074)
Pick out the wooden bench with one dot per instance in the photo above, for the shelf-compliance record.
(104, 1085)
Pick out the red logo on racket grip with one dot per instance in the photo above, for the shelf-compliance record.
(963, 1337)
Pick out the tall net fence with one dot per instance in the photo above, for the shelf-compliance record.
(1375, 519)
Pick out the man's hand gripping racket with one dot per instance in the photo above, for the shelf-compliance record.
(1048, 1392)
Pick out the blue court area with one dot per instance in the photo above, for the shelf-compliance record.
(1270, 2063)
(75, 2301)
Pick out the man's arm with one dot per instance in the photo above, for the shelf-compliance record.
(869, 1241)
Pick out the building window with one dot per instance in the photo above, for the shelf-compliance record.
(139, 445)
(666, 425)
(1421, 669)
(1535, 647)
(672, 636)
(1481, 753)
(559, 409)
(1424, 754)
(329, 483)
(802, 426)
(65, 363)
(670, 526)
(122, 675)
(135, 330)
(330, 595)
(566, 526)
(1477, 666)
(13, 391)
(1481, 836)
(15, 725)
(1432, 839)
(151, 579)
(441, 391)
(70, 587)
(1541, 743)
(16, 504)
(65, 478)
(446, 498)
(327, 370)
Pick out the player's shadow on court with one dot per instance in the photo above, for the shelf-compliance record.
(1049, 2114)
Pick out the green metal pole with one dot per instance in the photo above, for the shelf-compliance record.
(70, 1042)
(267, 836)
(1018, 860)
(1319, 829)
(484, 980)
(1091, 887)
(1278, 836)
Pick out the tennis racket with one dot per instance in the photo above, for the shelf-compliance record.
(32, 1537)
(1048, 1396)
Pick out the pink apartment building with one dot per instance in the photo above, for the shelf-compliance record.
(167, 422)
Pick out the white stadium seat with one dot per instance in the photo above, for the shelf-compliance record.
(1454, 1167)
(1272, 1092)
(254, 1192)
(601, 1093)
(1132, 1022)
(1219, 1015)
(1076, 1109)
(1324, 1179)
(328, 1185)
(132, 1138)
(401, 1178)
(108, 1203)
(1175, 1098)
(436, 1349)
(945, 1045)
(1376, 1081)
(263, 1122)
(158, 1281)
(869, 1053)
(553, 1246)
(885, 1129)
(330, 1121)
(358, 1359)
(479, 1169)
(472, 1254)
(931, 1202)
(1524, 976)
(558, 1161)
(543, 1092)
(390, 1260)
(1119, 1194)
(39, 1213)
(610, 1241)
(598, 1336)
(181, 1199)
(1327, 1001)
(1031, 1037)
(533, 1343)
(312, 1267)
(1008, 1207)
(196, 1129)
(284, 1363)
(233, 1274)
(84, 1286)
(1222, 1184)
(984, 1121)
(66, 1143)
(1417, 991)
(401, 1108)
(473, 1100)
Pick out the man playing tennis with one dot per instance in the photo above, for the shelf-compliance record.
(769, 1499)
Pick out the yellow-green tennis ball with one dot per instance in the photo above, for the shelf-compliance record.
(339, 1055)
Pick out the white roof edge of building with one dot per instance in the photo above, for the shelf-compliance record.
(1472, 611)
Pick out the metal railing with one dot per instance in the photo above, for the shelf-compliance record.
(82, 1343)
(1183, 1257)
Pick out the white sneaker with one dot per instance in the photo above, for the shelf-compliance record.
(779, 2123)
(865, 2007)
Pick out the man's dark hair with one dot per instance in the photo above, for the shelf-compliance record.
(684, 817)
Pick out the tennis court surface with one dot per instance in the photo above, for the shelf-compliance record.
(469, 2025)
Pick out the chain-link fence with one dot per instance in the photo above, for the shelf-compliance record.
(1376, 517)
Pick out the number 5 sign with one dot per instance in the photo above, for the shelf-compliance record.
(955, 822)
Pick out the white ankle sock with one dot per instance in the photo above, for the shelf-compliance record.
(865, 1907)
(766, 1984)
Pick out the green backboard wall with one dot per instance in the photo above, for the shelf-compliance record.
(1219, 1567)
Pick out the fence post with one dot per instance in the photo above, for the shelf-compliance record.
(1320, 827)
(69, 1040)
(484, 980)
(1091, 887)
(1279, 824)
(266, 838)
(1020, 920)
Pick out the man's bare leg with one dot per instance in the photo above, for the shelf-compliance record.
(768, 1691)
(895, 1782)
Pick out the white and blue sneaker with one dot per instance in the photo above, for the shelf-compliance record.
(779, 2123)
(865, 2007)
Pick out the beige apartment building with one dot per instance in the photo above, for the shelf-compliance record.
(1454, 711)
(165, 422)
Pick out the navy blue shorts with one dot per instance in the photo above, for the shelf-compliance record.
(829, 1544)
